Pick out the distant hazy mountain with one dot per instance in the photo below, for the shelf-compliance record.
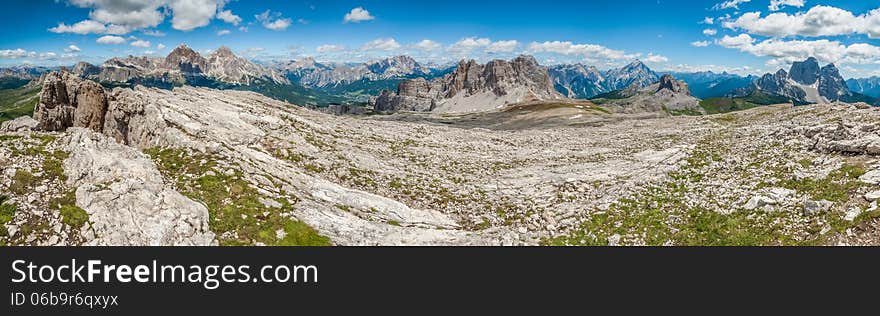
(806, 82)
(582, 82)
(357, 81)
(25, 72)
(708, 84)
(867, 86)
(182, 66)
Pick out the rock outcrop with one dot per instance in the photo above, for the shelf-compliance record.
(667, 82)
(67, 101)
(668, 95)
(473, 87)
(126, 198)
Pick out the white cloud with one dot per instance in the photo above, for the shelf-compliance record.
(739, 41)
(329, 48)
(228, 17)
(427, 45)
(13, 53)
(110, 39)
(155, 33)
(776, 5)
(119, 17)
(82, 28)
(469, 44)
(589, 51)
(223, 32)
(709, 20)
(160, 46)
(710, 32)
(502, 47)
(743, 71)
(784, 52)
(358, 15)
(730, 4)
(700, 44)
(818, 21)
(386, 44)
(273, 21)
(192, 14)
(125, 15)
(141, 43)
(72, 48)
(656, 58)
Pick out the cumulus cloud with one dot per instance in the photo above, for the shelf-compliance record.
(818, 21)
(710, 32)
(700, 44)
(467, 45)
(119, 17)
(273, 20)
(426, 45)
(21, 53)
(110, 39)
(13, 53)
(72, 49)
(357, 15)
(776, 5)
(386, 44)
(329, 48)
(588, 51)
(228, 17)
(155, 33)
(223, 32)
(709, 20)
(141, 43)
(502, 47)
(784, 52)
(160, 46)
(730, 4)
(82, 28)
(651, 58)
(743, 70)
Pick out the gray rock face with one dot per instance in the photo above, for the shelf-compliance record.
(21, 124)
(831, 84)
(66, 101)
(805, 83)
(668, 82)
(473, 87)
(126, 199)
(636, 73)
(805, 72)
(668, 95)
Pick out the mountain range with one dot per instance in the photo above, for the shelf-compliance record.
(805, 83)
(315, 84)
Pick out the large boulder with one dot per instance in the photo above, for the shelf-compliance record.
(68, 101)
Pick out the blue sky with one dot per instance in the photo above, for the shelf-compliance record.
(667, 34)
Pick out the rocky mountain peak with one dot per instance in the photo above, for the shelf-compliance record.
(186, 60)
(668, 82)
(223, 51)
(805, 72)
(473, 87)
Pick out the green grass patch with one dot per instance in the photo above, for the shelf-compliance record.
(7, 213)
(23, 182)
(236, 214)
(18, 102)
(836, 187)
